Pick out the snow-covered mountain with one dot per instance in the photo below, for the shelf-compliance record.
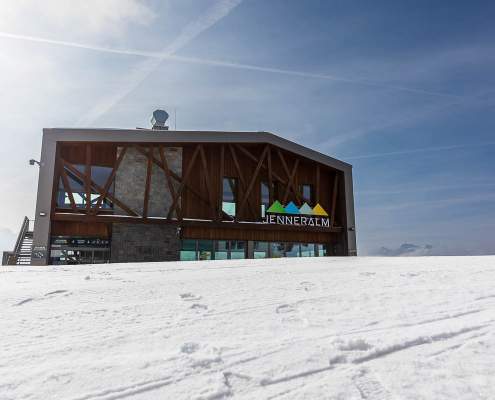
(406, 250)
(320, 328)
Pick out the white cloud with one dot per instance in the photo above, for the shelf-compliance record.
(98, 18)
(7, 239)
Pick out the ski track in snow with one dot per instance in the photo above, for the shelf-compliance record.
(328, 328)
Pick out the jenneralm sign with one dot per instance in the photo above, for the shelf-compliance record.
(292, 215)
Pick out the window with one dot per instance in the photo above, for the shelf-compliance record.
(276, 250)
(307, 250)
(237, 250)
(222, 250)
(260, 250)
(291, 250)
(307, 192)
(205, 250)
(265, 198)
(322, 250)
(192, 250)
(99, 175)
(229, 198)
(188, 250)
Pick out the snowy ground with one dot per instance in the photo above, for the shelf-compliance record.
(347, 328)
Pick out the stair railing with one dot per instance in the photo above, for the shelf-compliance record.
(18, 243)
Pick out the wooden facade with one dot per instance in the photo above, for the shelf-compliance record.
(195, 192)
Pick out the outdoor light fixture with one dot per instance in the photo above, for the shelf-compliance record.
(42, 214)
(32, 161)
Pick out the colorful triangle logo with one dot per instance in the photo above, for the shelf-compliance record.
(319, 210)
(291, 208)
(276, 208)
(306, 209)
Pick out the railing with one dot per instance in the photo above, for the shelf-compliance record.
(10, 258)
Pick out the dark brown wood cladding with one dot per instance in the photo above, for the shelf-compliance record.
(258, 235)
(70, 228)
(199, 193)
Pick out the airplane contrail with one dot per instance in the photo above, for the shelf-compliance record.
(139, 74)
(219, 11)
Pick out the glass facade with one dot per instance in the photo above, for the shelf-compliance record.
(192, 250)
(99, 175)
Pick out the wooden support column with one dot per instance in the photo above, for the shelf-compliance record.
(87, 178)
(220, 191)
(270, 175)
(317, 185)
(334, 199)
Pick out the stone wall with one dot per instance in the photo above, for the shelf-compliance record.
(130, 182)
(144, 242)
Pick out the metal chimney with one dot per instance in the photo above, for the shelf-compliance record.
(159, 119)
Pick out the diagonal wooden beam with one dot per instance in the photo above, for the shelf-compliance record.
(290, 176)
(68, 189)
(87, 177)
(241, 178)
(177, 178)
(110, 179)
(99, 189)
(254, 159)
(253, 180)
(168, 177)
(334, 199)
(292, 184)
(206, 176)
(184, 180)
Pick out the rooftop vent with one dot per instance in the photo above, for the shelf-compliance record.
(159, 119)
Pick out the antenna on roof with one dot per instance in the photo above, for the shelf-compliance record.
(175, 118)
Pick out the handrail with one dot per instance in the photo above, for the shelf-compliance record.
(20, 237)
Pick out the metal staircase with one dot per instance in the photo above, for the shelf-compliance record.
(22, 250)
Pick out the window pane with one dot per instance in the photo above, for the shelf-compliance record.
(228, 208)
(205, 249)
(186, 255)
(307, 250)
(188, 250)
(265, 197)
(277, 250)
(229, 198)
(260, 249)
(221, 250)
(307, 192)
(292, 250)
(237, 250)
(322, 250)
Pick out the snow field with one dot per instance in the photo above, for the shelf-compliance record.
(316, 328)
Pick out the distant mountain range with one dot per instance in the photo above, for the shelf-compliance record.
(406, 250)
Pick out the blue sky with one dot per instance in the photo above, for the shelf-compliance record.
(403, 91)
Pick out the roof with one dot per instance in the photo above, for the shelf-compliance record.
(164, 136)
